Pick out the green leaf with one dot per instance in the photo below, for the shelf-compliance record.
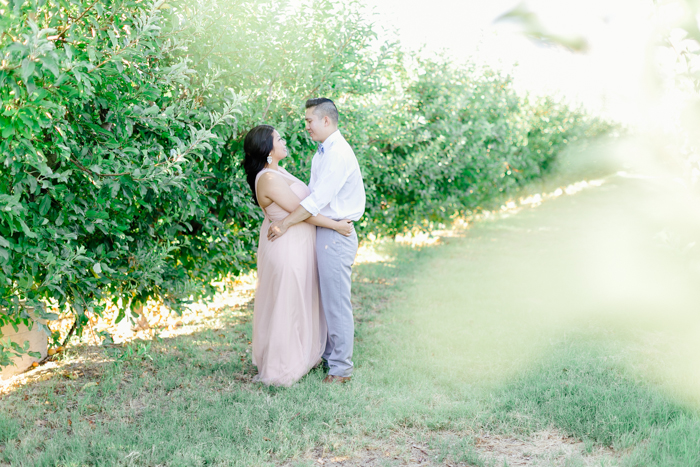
(4, 242)
(28, 67)
(70, 51)
(45, 205)
(30, 122)
(120, 316)
(26, 230)
(8, 131)
(25, 281)
(152, 110)
(114, 188)
(100, 130)
(50, 64)
(113, 38)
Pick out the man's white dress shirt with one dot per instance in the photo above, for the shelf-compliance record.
(336, 184)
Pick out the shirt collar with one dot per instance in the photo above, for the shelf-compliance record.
(326, 145)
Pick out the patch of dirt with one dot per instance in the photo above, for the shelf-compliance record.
(544, 448)
(376, 454)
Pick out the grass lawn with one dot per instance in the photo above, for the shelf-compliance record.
(533, 338)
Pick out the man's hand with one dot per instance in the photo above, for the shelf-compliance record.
(345, 227)
(276, 230)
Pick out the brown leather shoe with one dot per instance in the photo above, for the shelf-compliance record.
(336, 379)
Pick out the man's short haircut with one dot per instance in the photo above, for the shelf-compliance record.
(323, 107)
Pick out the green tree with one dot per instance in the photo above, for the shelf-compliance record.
(122, 124)
(102, 192)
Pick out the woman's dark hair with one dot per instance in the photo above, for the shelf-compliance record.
(257, 145)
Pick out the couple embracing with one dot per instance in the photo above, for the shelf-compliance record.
(303, 315)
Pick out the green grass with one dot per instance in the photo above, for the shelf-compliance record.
(586, 397)
(480, 334)
(189, 400)
(676, 444)
(9, 429)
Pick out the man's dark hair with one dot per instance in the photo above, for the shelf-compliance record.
(323, 107)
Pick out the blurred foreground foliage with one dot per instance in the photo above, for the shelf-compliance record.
(122, 125)
(672, 74)
(681, 38)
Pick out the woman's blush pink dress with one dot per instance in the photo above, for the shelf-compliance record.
(289, 327)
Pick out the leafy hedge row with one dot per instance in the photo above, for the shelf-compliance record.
(121, 138)
(470, 140)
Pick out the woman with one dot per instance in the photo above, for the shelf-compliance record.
(289, 327)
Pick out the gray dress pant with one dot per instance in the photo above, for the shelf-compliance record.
(335, 254)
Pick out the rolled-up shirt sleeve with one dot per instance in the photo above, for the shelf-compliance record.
(326, 187)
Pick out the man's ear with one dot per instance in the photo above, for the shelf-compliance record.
(326, 120)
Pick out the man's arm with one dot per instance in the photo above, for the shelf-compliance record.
(324, 190)
(278, 228)
(332, 175)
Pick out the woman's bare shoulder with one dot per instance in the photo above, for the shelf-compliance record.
(270, 177)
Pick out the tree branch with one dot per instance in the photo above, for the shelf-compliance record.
(95, 174)
(70, 332)
(65, 30)
(111, 57)
(269, 96)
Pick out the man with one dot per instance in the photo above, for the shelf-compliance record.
(337, 191)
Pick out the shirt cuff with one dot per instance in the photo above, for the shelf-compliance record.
(308, 204)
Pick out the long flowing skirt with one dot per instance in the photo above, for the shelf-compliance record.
(289, 327)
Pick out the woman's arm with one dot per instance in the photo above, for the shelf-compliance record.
(272, 188)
